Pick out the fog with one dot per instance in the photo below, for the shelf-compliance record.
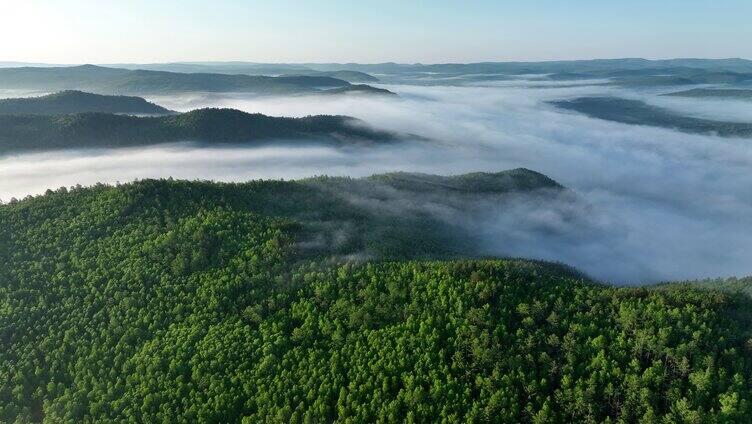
(647, 204)
(716, 109)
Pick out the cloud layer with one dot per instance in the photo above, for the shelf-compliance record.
(650, 204)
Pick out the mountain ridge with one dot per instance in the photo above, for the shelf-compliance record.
(75, 101)
(221, 302)
(100, 79)
(211, 125)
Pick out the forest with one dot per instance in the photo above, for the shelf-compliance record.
(72, 101)
(107, 80)
(637, 112)
(210, 125)
(177, 301)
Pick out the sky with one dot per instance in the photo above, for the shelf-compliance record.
(141, 31)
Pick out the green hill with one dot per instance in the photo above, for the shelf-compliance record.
(178, 301)
(246, 68)
(349, 76)
(636, 112)
(212, 126)
(71, 101)
(100, 79)
(660, 77)
(360, 89)
(477, 182)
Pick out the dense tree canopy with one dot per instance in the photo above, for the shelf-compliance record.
(212, 126)
(72, 101)
(106, 80)
(170, 301)
(637, 112)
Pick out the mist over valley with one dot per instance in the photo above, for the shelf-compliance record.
(349, 212)
(652, 204)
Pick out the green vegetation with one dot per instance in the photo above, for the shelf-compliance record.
(349, 76)
(676, 77)
(732, 285)
(637, 112)
(360, 89)
(174, 301)
(101, 130)
(116, 80)
(720, 93)
(632, 72)
(239, 76)
(73, 101)
(477, 182)
(249, 68)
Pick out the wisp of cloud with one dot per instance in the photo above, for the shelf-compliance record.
(647, 204)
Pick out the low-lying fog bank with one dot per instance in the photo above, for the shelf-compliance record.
(652, 204)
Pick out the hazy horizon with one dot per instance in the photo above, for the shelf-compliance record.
(637, 217)
(335, 31)
(3, 61)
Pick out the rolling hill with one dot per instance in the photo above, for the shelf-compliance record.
(248, 68)
(349, 76)
(166, 300)
(100, 79)
(360, 89)
(478, 182)
(71, 101)
(636, 112)
(209, 126)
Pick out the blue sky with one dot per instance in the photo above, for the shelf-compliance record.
(106, 31)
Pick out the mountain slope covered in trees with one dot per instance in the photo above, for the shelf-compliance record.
(637, 112)
(249, 68)
(349, 76)
(213, 126)
(194, 301)
(362, 89)
(100, 79)
(72, 101)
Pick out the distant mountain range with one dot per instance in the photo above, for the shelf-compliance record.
(116, 80)
(244, 68)
(630, 72)
(349, 76)
(623, 72)
(636, 112)
(72, 101)
(573, 67)
(211, 126)
(731, 64)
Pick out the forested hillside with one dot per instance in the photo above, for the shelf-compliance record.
(349, 76)
(214, 126)
(106, 80)
(173, 301)
(637, 112)
(72, 101)
(361, 89)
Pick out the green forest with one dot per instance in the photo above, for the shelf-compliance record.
(107, 80)
(175, 301)
(209, 125)
(72, 101)
(637, 112)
